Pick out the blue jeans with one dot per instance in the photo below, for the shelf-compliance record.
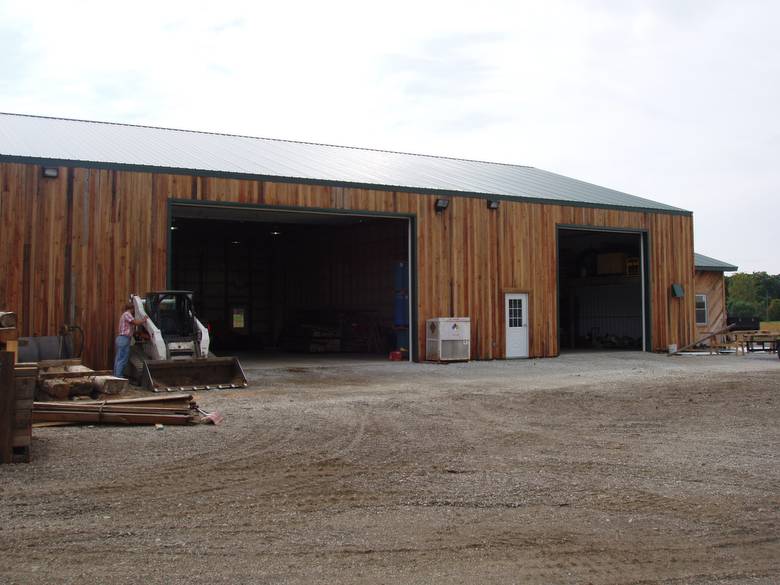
(122, 344)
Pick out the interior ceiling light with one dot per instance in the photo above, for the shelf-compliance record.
(235, 242)
(173, 227)
(276, 233)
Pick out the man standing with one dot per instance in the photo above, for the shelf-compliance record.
(126, 323)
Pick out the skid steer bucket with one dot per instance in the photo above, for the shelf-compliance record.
(193, 374)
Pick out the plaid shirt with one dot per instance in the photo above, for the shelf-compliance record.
(126, 324)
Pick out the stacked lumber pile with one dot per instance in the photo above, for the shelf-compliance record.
(173, 409)
(63, 379)
(24, 385)
(17, 385)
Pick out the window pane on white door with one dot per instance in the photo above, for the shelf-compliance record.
(515, 312)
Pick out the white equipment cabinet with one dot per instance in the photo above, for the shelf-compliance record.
(448, 339)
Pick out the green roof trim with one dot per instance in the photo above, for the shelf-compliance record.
(708, 264)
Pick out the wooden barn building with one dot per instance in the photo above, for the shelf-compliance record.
(710, 294)
(308, 247)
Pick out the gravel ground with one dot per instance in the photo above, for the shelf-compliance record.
(590, 468)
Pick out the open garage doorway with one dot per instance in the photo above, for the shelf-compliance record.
(278, 283)
(602, 290)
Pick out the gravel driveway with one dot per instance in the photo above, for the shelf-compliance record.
(609, 468)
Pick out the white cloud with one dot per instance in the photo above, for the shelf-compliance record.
(675, 101)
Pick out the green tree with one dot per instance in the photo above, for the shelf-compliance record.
(743, 309)
(774, 310)
(756, 289)
(742, 287)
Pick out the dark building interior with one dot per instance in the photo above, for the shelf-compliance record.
(600, 290)
(296, 282)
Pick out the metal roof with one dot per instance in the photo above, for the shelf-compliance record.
(702, 262)
(38, 139)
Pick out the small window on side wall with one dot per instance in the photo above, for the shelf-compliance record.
(701, 309)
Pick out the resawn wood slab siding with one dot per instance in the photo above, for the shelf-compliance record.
(713, 285)
(72, 248)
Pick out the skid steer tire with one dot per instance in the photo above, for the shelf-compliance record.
(135, 365)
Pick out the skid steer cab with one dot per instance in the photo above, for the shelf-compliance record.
(171, 349)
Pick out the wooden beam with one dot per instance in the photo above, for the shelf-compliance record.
(66, 375)
(7, 406)
(705, 338)
(110, 418)
(44, 364)
(141, 399)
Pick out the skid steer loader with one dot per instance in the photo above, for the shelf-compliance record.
(171, 349)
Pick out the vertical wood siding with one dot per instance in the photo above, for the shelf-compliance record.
(107, 235)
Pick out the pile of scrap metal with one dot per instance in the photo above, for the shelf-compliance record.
(173, 409)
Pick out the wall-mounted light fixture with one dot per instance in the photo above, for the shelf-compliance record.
(51, 172)
(441, 205)
(678, 291)
(492, 204)
(276, 233)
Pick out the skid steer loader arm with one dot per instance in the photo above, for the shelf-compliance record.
(156, 345)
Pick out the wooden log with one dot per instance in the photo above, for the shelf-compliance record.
(79, 368)
(62, 388)
(56, 388)
(7, 406)
(7, 319)
(108, 384)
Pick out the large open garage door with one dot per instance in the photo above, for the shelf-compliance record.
(275, 282)
(602, 298)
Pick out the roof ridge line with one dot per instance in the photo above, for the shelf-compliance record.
(455, 158)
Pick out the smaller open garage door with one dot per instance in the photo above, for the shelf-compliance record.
(602, 300)
(270, 282)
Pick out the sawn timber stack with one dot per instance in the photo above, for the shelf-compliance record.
(173, 409)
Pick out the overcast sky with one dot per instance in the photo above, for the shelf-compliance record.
(671, 100)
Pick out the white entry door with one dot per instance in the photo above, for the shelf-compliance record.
(516, 305)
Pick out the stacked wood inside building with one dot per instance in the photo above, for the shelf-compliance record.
(74, 246)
